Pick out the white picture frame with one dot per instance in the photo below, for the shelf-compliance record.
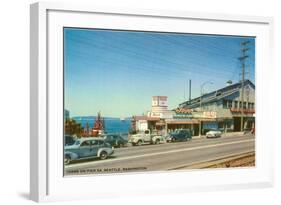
(46, 171)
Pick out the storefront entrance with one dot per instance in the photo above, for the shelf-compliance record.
(248, 123)
(237, 124)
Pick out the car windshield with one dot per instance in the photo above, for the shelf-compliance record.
(77, 142)
(107, 136)
(120, 138)
(175, 132)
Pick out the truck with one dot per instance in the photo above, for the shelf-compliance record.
(145, 137)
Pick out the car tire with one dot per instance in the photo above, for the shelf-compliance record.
(173, 140)
(139, 143)
(103, 155)
(67, 160)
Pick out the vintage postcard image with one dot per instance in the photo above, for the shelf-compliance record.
(138, 101)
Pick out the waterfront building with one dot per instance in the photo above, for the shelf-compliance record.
(182, 119)
(223, 109)
(144, 122)
(162, 120)
(155, 118)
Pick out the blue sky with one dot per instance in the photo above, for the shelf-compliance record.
(117, 72)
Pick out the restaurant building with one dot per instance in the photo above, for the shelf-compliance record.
(224, 108)
(221, 109)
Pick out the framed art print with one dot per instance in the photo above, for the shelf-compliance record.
(173, 99)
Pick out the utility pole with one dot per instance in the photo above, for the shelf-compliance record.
(242, 59)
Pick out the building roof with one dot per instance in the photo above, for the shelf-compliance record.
(182, 121)
(216, 95)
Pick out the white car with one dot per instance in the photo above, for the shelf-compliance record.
(213, 134)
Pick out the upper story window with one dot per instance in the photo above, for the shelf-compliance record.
(229, 104)
(224, 103)
(235, 104)
(251, 105)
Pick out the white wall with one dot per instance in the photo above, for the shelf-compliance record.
(14, 103)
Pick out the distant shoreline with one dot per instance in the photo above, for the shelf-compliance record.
(112, 125)
(94, 117)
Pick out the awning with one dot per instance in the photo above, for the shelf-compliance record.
(208, 120)
(182, 122)
(160, 123)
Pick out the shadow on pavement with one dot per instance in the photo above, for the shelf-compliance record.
(24, 195)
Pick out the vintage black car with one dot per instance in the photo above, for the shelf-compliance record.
(115, 140)
(179, 135)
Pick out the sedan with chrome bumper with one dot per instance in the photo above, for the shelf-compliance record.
(213, 134)
(90, 147)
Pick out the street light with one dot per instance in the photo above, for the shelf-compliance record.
(201, 91)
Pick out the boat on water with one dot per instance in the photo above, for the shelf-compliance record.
(122, 118)
(99, 126)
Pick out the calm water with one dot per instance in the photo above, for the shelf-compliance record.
(112, 125)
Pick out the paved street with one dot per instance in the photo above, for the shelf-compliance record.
(164, 156)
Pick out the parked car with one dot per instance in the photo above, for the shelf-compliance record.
(205, 130)
(115, 140)
(145, 137)
(68, 140)
(90, 147)
(179, 135)
(213, 134)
